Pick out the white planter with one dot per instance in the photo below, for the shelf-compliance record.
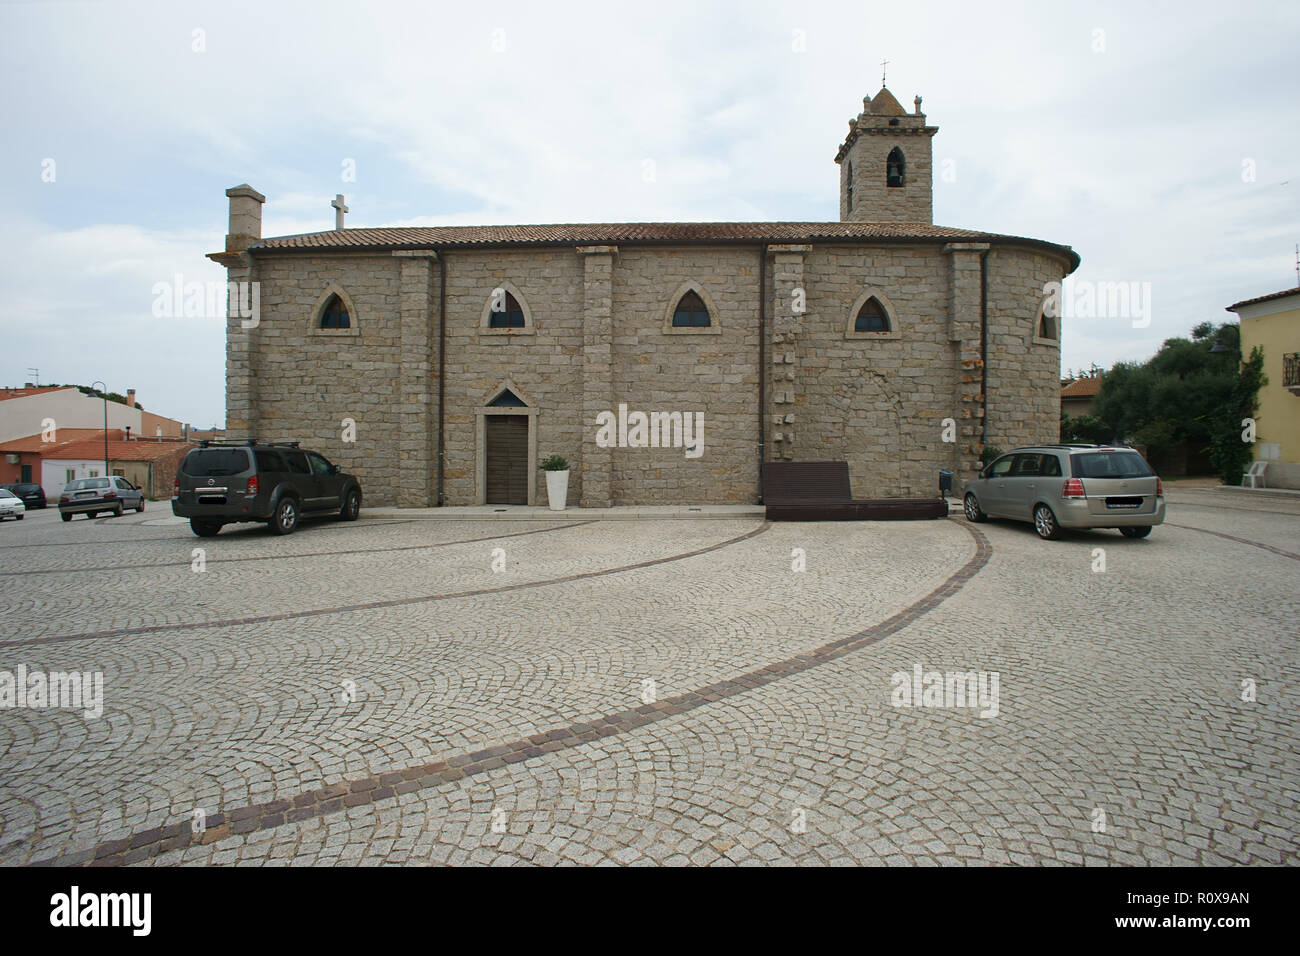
(557, 489)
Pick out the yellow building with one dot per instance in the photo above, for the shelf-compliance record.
(1273, 323)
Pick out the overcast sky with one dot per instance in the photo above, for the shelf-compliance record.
(1129, 130)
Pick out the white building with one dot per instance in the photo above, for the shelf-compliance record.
(29, 410)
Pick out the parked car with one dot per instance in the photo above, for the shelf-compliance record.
(221, 483)
(11, 506)
(32, 494)
(1069, 486)
(91, 496)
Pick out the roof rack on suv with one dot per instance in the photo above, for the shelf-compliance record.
(1055, 445)
(246, 443)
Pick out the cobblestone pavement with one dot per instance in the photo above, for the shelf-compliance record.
(644, 692)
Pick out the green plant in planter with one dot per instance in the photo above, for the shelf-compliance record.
(555, 463)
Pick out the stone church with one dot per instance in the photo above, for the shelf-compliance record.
(463, 356)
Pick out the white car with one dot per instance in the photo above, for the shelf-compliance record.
(11, 506)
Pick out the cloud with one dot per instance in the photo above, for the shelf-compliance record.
(517, 113)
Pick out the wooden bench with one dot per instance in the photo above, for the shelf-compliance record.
(819, 491)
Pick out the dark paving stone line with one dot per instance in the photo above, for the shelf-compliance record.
(1257, 511)
(385, 786)
(1233, 537)
(305, 554)
(374, 605)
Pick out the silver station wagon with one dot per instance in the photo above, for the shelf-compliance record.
(1069, 486)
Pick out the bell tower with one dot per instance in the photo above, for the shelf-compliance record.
(885, 164)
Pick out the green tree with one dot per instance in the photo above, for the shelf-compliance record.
(1084, 428)
(1229, 452)
(1178, 395)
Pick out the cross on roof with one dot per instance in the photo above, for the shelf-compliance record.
(883, 64)
(339, 209)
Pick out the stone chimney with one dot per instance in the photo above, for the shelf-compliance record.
(130, 398)
(245, 217)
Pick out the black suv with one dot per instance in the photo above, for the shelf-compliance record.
(32, 494)
(223, 482)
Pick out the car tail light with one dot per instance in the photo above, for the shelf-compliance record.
(176, 488)
(252, 485)
(1160, 487)
(1073, 488)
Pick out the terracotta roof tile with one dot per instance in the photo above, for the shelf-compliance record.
(1082, 388)
(7, 393)
(414, 237)
(35, 444)
(135, 450)
(1262, 298)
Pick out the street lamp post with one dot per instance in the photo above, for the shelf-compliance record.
(104, 392)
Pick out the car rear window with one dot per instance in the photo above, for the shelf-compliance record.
(1110, 464)
(84, 484)
(6, 493)
(215, 462)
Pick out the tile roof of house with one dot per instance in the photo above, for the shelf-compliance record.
(7, 393)
(417, 237)
(1263, 298)
(1082, 388)
(37, 445)
(138, 449)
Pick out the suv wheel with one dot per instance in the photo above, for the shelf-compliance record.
(285, 518)
(205, 529)
(1045, 523)
(972, 508)
(1140, 531)
(65, 516)
(351, 506)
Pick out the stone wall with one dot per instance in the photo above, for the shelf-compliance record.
(543, 363)
(714, 372)
(1024, 391)
(306, 381)
(600, 336)
(877, 401)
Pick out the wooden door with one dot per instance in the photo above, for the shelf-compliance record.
(507, 459)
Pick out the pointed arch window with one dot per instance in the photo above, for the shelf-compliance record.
(872, 317)
(1047, 327)
(506, 313)
(509, 316)
(335, 314)
(896, 168)
(691, 312)
(507, 399)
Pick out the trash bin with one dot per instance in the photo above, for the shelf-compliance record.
(945, 482)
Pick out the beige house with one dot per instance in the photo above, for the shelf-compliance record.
(1272, 322)
(441, 364)
(1077, 396)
